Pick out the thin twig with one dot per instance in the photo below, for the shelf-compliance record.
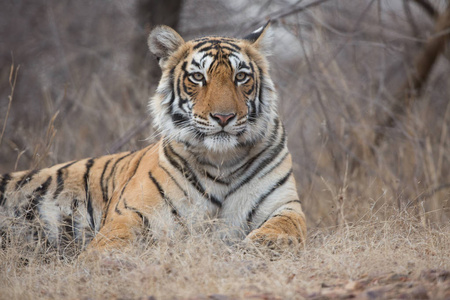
(124, 139)
(409, 16)
(298, 9)
(12, 84)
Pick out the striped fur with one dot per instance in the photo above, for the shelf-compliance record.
(222, 155)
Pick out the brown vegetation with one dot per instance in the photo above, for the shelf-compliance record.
(378, 209)
(374, 259)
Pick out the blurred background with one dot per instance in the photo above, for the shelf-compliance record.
(364, 91)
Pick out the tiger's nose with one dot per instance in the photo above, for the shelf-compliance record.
(223, 119)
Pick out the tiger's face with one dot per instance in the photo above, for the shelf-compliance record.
(214, 92)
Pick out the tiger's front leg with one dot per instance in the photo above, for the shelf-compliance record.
(114, 235)
(285, 227)
(139, 207)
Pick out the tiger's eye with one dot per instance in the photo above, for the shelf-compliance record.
(198, 76)
(241, 76)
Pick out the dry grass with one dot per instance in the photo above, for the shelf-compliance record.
(353, 260)
(378, 214)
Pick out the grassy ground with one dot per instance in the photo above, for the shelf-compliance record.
(372, 259)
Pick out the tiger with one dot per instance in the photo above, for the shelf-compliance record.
(222, 155)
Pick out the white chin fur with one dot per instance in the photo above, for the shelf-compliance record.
(220, 144)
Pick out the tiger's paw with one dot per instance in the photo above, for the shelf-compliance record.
(272, 240)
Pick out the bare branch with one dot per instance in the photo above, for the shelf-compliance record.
(282, 13)
(427, 7)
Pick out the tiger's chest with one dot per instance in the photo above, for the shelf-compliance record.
(211, 194)
(234, 190)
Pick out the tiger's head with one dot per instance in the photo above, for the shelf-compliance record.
(215, 92)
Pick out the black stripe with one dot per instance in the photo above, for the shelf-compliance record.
(228, 63)
(293, 201)
(113, 170)
(205, 55)
(288, 209)
(200, 39)
(270, 217)
(105, 212)
(201, 44)
(261, 199)
(243, 65)
(60, 179)
(261, 85)
(172, 71)
(231, 54)
(144, 219)
(178, 86)
(271, 157)
(163, 195)
(253, 114)
(202, 160)
(275, 166)
(207, 48)
(5, 180)
(116, 209)
(248, 164)
(172, 100)
(216, 179)
(286, 217)
(185, 88)
(173, 179)
(222, 47)
(183, 67)
(90, 209)
(229, 43)
(249, 92)
(194, 180)
(171, 84)
(26, 179)
(35, 198)
(189, 174)
(195, 63)
(179, 120)
(74, 205)
(244, 167)
(102, 183)
(187, 144)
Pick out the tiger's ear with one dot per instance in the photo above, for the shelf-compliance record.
(163, 41)
(261, 39)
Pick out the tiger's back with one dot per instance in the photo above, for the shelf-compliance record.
(222, 155)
